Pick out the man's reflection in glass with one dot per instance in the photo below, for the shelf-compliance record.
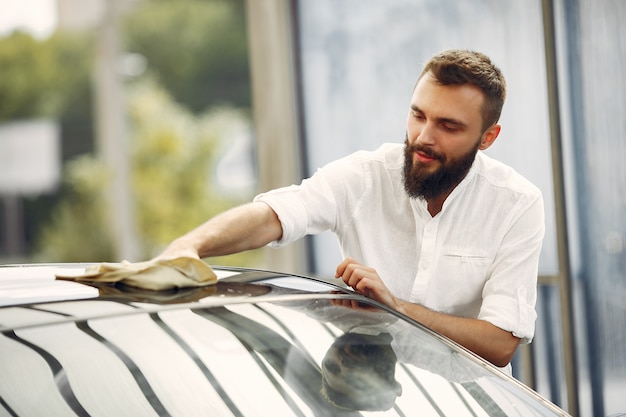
(358, 372)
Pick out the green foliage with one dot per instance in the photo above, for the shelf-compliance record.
(77, 231)
(34, 79)
(197, 49)
(173, 152)
(180, 112)
(173, 189)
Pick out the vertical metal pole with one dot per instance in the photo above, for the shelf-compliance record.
(275, 107)
(112, 133)
(564, 276)
(13, 225)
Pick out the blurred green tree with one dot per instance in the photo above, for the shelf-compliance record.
(173, 155)
(76, 231)
(196, 82)
(34, 77)
(196, 49)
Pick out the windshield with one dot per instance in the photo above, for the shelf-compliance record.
(305, 357)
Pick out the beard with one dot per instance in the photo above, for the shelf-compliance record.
(419, 183)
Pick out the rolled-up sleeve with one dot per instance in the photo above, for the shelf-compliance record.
(290, 211)
(316, 204)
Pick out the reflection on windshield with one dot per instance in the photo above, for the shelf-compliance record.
(377, 362)
(359, 372)
(303, 358)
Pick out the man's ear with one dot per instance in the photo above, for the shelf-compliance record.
(490, 136)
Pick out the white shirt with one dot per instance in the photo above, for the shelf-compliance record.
(478, 257)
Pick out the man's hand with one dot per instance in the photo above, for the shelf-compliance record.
(365, 281)
(481, 337)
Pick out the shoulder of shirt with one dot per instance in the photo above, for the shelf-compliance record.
(499, 174)
(389, 154)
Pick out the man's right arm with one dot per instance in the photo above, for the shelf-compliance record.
(242, 228)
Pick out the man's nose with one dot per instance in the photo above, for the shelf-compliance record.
(427, 135)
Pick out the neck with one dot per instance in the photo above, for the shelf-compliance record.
(435, 204)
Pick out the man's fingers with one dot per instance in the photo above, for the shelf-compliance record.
(365, 281)
(356, 275)
(341, 268)
(362, 281)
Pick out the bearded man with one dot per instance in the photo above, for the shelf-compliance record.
(433, 228)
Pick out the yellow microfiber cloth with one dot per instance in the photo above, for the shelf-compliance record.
(151, 275)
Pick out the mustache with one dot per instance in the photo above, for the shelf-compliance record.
(428, 151)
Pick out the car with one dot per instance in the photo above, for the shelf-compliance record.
(256, 343)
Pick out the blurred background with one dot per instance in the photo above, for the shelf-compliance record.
(125, 123)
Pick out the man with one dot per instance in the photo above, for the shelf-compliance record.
(434, 228)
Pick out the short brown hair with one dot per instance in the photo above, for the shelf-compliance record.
(456, 67)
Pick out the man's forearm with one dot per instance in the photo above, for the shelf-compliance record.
(239, 229)
(481, 337)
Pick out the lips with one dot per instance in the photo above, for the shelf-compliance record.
(422, 154)
(426, 155)
(424, 158)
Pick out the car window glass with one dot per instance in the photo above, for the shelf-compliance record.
(304, 357)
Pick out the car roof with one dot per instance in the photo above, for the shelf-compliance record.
(256, 343)
(28, 285)
(23, 283)
(33, 286)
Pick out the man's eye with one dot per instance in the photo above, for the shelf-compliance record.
(450, 128)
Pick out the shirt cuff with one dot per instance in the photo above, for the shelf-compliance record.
(513, 315)
(290, 211)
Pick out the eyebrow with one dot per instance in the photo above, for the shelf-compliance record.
(447, 120)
